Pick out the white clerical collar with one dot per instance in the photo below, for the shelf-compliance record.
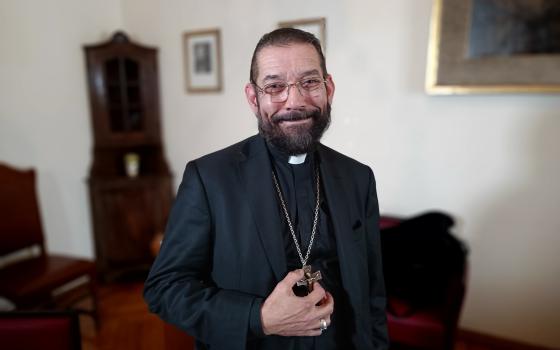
(297, 159)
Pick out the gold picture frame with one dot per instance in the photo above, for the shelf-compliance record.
(316, 26)
(462, 61)
(202, 60)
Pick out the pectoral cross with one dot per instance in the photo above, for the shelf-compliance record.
(309, 278)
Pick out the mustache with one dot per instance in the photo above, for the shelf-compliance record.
(295, 116)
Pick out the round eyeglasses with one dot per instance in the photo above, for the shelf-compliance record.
(279, 90)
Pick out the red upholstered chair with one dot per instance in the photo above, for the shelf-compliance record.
(30, 281)
(411, 323)
(40, 330)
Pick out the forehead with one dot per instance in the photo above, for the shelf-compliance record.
(287, 62)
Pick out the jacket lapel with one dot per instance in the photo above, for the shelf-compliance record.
(255, 175)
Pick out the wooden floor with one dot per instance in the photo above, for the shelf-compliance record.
(127, 324)
(125, 321)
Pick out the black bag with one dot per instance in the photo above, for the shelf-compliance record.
(420, 256)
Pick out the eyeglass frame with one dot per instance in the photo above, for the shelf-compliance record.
(288, 86)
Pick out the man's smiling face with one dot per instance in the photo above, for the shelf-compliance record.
(297, 120)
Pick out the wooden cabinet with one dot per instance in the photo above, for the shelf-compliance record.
(129, 180)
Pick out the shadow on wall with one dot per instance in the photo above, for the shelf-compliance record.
(516, 245)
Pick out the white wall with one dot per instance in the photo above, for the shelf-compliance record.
(491, 161)
(44, 110)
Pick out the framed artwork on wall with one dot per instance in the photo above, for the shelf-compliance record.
(203, 61)
(316, 26)
(494, 46)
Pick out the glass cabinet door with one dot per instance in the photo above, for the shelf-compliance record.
(124, 102)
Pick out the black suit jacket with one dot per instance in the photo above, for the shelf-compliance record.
(223, 248)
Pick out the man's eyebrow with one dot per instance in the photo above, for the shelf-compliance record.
(271, 77)
(302, 74)
(310, 72)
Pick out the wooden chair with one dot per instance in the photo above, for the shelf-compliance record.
(29, 282)
(40, 330)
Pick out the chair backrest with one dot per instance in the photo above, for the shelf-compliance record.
(20, 222)
(58, 330)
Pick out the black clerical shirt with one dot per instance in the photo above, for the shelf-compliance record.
(299, 190)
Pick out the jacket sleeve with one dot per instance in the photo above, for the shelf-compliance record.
(377, 298)
(179, 287)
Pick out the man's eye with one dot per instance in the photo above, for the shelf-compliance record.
(310, 83)
(274, 88)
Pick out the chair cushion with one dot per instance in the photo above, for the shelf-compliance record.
(33, 277)
(424, 329)
(41, 330)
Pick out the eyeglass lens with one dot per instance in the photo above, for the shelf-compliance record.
(283, 95)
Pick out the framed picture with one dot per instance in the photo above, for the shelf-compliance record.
(494, 46)
(203, 62)
(315, 26)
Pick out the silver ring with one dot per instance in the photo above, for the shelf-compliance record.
(323, 324)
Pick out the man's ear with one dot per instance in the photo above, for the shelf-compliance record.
(330, 88)
(251, 95)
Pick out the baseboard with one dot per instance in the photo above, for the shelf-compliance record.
(495, 343)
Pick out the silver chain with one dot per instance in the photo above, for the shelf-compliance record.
(313, 230)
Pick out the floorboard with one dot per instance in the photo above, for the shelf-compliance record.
(125, 322)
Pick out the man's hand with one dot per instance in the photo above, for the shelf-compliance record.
(284, 313)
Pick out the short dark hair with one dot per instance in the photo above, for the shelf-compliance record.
(285, 37)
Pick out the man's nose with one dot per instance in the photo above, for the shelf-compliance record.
(295, 98)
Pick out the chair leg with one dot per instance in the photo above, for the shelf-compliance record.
(92, 292)
(95, 301)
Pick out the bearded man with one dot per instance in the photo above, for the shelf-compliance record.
(273, 243)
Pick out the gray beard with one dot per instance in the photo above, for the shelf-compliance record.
(301, 139)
